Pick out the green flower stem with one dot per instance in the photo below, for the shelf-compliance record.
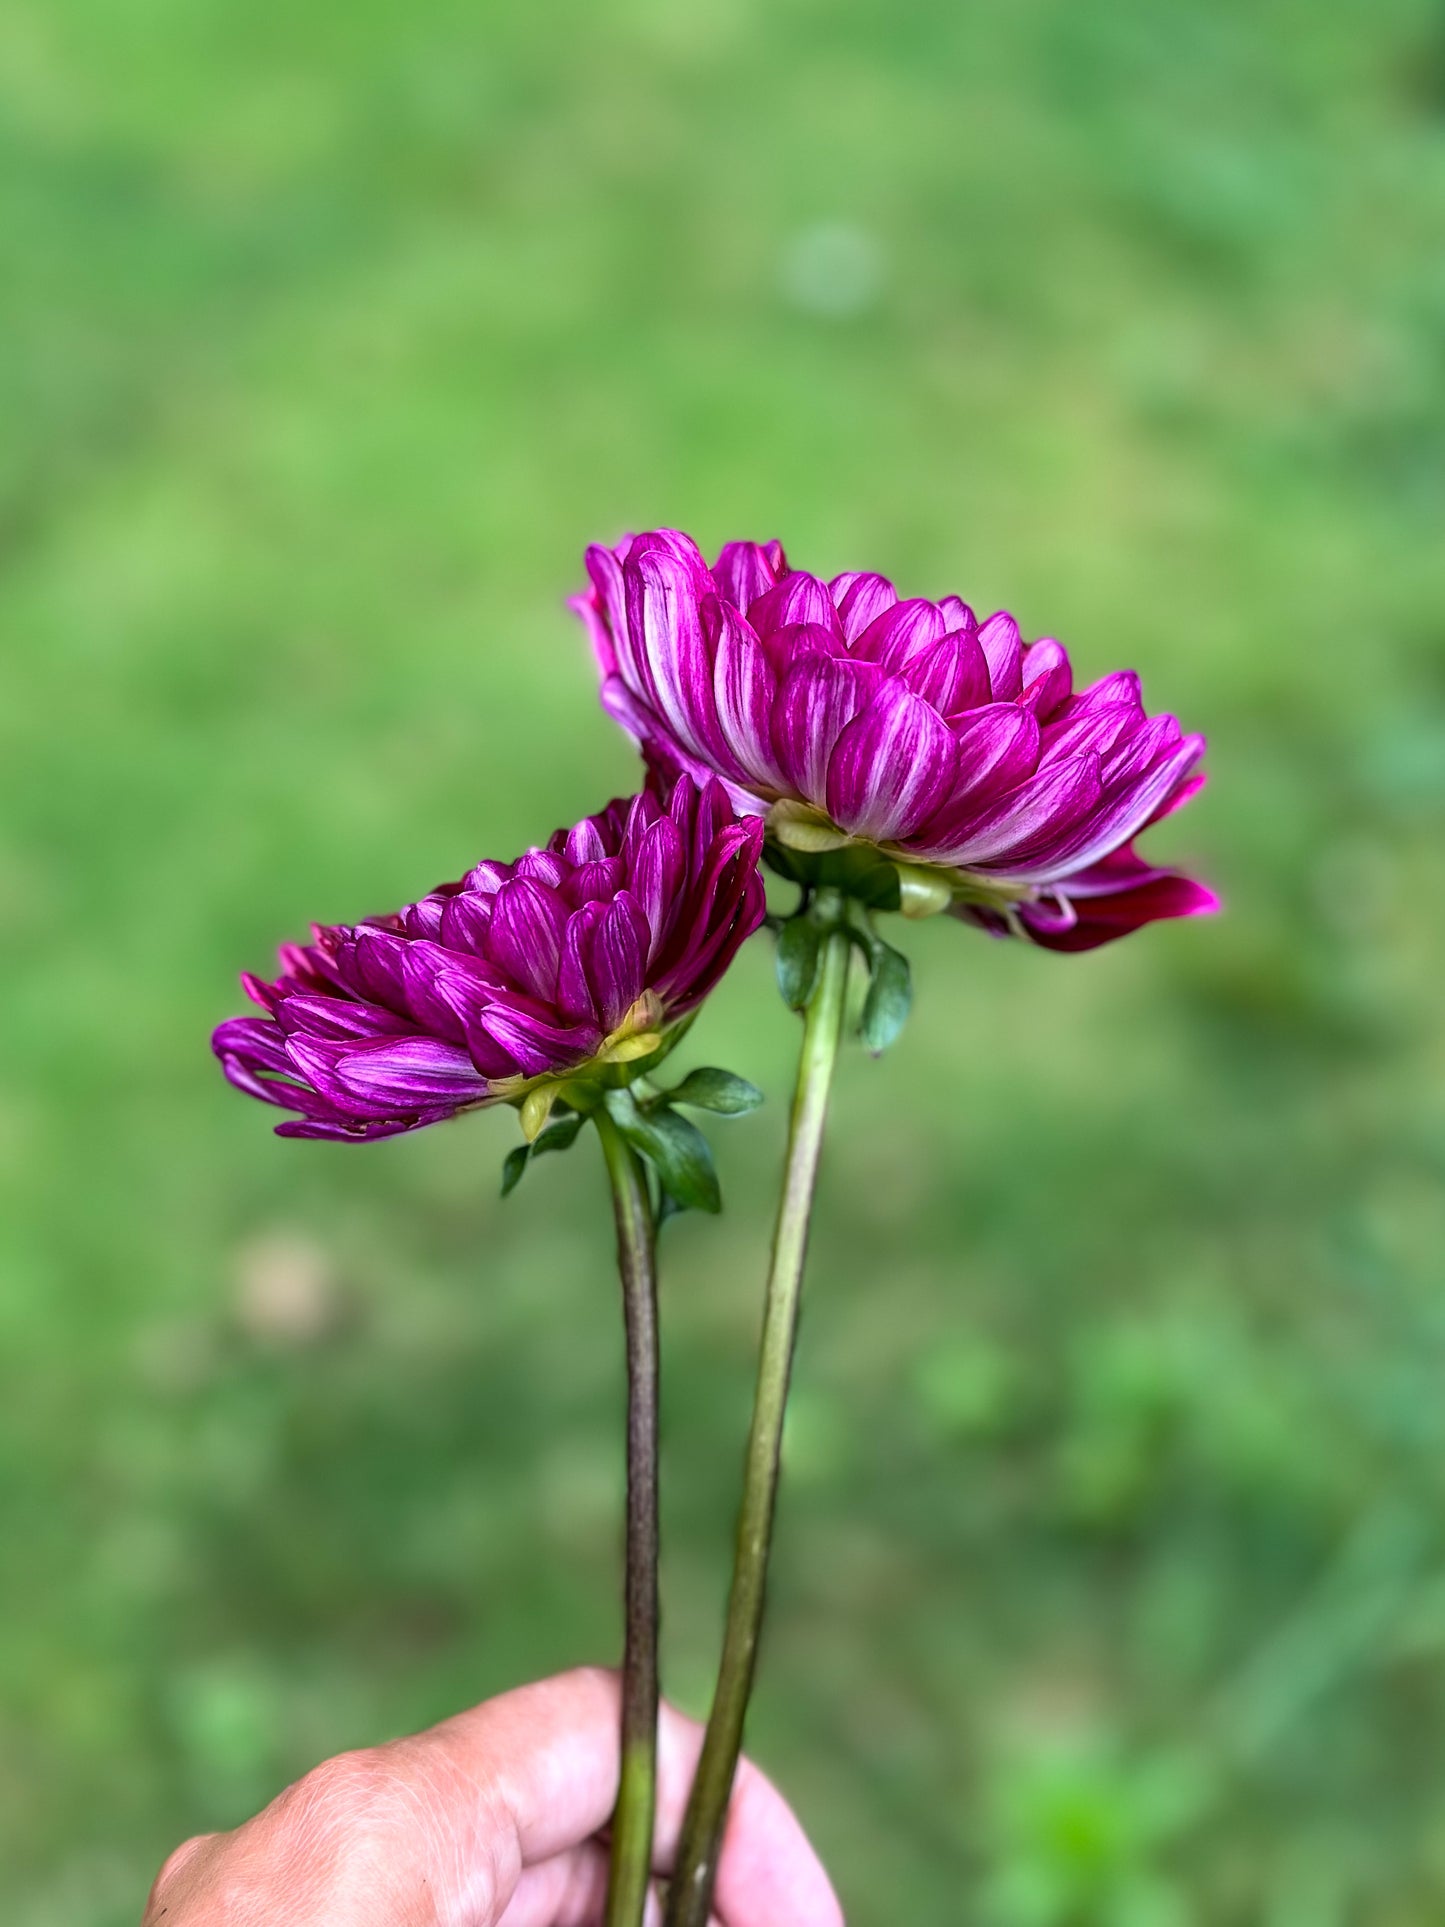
(633, 1817)
(690, 1894)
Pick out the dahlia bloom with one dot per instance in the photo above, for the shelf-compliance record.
(572, 967)
(864, 724)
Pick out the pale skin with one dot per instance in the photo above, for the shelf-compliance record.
(495, 1818)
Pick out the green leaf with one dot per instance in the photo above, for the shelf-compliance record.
(557, 1136)
(799, 946)
(677, 1151)
(667, 1206)
(560, 1134)
(715, 1090)
(889, 999)
(513, 1167)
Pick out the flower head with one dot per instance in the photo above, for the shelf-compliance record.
(865, 725)
(576, 963)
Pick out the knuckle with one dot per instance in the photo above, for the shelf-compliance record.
(344, 1829)
(163, 1887)
(351, 1789)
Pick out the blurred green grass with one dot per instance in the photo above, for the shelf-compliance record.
(1111, 1590)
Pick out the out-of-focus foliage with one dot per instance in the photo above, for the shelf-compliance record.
(1111, 1589)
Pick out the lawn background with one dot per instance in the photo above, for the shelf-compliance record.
(1111, 1583)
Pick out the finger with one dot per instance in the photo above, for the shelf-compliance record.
(542, 1761)
(545, 1754)
(570, 1890)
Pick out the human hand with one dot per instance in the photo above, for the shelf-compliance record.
(491, 1819)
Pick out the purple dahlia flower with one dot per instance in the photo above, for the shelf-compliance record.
(522, 981)
(856, 719)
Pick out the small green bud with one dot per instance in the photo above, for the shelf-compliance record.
(536, 1108)
(797, 826)
(922, 891)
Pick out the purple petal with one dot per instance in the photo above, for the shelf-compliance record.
(742, 904)
(466, 920)
(1047, 677)
(1147, 747)
(543, 866)
(1120, 817)
(681, 802)
(341, 1131)
(818, 697)
(313, 965)
(259, 991)
(584, 842)
(604, 612)
(797, 598)
(625, 706)
(665, 592)
(377, 959)
(339, 1017)
(1101, 728)
(999, 637)
(745, 687)
(1103, 919)
(424, 919)
(1050, 914)
(447, 991)
(746, 570)
(641, 810)
(794, 640)
(252, 1044)
(726, 904)
(1191, 786)
(486, 878)
(525, 938)
(536, 1046)
(612, 822)
(658, 875)
(1055, 796)
(617, 964)
(951, 674)
(707, 813)
(590, 882)
(574, 989)
(892, 767)
(900, 632)
(859, 600)
(1122, 686)
(997, 750)
(493, 1058)
(1121, 869)
(386, 1077)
